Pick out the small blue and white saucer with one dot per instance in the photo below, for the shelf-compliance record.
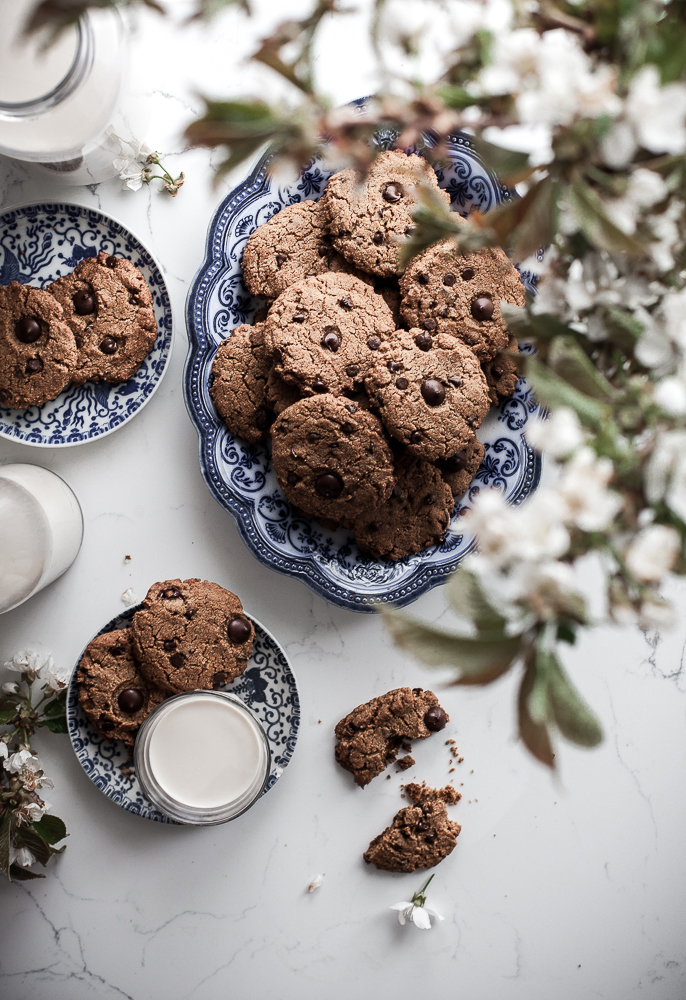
(267, 686)
(40, 243)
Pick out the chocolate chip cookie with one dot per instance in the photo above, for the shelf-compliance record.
(108, 305)
(420, 835)
(293, 244)
(501, 373)
(432, 400)
(37, 348)
(459, 469)
(370, 217)
(113, 692)
(280, 395)
(191, 634)
(417, 513)
(239, 383)
(444, 291)
(324, 333)
(331, 458)
(370, 736)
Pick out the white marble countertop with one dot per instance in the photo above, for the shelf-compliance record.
(569, 886)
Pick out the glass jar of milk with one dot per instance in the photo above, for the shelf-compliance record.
(41, 528)
(68, 109)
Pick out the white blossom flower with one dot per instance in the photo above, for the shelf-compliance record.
(22, 856)
(559, 435)
(645, 189)
(10, 687)
(132, 163)
(652, 552)
(129, 597)
(507, 535)
(417, 915)
(25, 661)
(34, 810)
(665, 472)
(670, 395)
(55, 677)
(316, 883)
(16, 762)
(29, 768)
(583, 488)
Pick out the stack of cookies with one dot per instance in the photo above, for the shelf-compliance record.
(96, 324)
(372, 383)
(188, 634)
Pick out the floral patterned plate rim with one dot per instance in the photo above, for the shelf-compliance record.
(241, 477)
(267, 686)
(44, 241)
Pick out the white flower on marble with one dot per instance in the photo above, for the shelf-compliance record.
(21, 856)
(316, 883)
(558, 436)
(26, 661)
(415, 911)
(34, 811)
(29, 769)
(652, 553)
(129, 597)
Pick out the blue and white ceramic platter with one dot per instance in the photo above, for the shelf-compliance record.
(40, 243)
(267, 686)
(241, 476)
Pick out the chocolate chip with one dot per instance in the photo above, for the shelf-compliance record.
(497, 372)
(313, 436)
(377, 238)
(219, 678)
(84, 303)
(394, 366)
(299, 317)
(482, 308)
(331, 340)
(238, 630)
(318, 384)
(430, 838)
(449, 280)
(348, 428)
(177, 660)
(345, 303)
(455, 381)
(423, 278)
(375, 525)
(34, 365)
(171, 593)
(401, 383)
(455, 463)
(423, 826)
(427, 809)
(108, 346)
(435, 719)
(322, 250)
(189, 614)
(4, 397)
(373, 343)
(168, 645)
(429, 323)
(467, 274)
(471, 419)
(423, 341)
(352, 370)
(281, 258)
(417, 690)
(415, 437)
(329, 485)
(131, 700)
(393, 192)
(111, 262)
(27, 330)
(292, 478)
(433, 392)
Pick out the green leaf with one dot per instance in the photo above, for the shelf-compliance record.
(525, 224)
(58, 725)
(553, 392)
(478, 661)
(527, 325)
(623, 329)
(534, 735)
(27, 837)
(574, 718)
(565, 633)
(5, 842)
(55, 708)
(19, 874)
(7, 714)
(51, 829)
(465, 593)
(510, 165)
(568, 360)
(596, 225)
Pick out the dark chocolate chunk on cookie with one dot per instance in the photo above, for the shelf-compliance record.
(191, 634)
(239, 388)
(113, 692)
(370, 737)
(459, 469)
(108, 305)
(420, 836)
(37, 348)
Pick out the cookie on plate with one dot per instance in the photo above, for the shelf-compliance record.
(324, 332)
(108, 305)
(191, 634)
(432, 401)
(292, 245)
(502, 373)
(280, 394)
(369, 218)
(421, 835)
(37, 348)
(113, 692)
(444, 291)
(370, 736)
(416, 515)
(239, 383)
(459, 469)
(331, 457)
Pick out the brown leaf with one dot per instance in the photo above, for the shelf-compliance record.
(534, 735)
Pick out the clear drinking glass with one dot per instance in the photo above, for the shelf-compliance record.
(41, 529)
(72, 107)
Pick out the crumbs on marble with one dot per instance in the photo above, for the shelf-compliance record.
(127, 559)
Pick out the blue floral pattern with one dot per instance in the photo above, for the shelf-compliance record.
(267, 686)
(39, 243)
(241, 477)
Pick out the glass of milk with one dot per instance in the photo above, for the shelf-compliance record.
(70, 107)
(202, 757)
(41, 528)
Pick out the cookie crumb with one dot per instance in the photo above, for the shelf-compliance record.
(405, 762)
(127, 559)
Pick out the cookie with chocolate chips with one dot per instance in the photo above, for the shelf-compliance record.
(459, 469)
(370, 736)
(292, 245)
(191, 634)
(239, 383)
(324, 333)
(370, 217)
(431, 400)
(416, 515)
(444, 291)
(108, 305)
(421, 835)
(502, 373)
(37, 348)
(280, 394)
(113, 692)
(331, 458)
